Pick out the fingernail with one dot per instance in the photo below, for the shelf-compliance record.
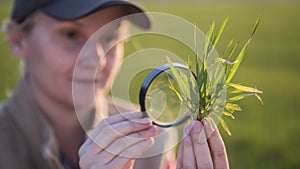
(197, 127)
(143, 120)
(204, 121)
(202, 138)
(209, 124)
(188, 128)
(150, 140)
(152, 129)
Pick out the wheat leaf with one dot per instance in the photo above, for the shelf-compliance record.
(228, 114)
(178, 78)
(239, 97)
(244, 88)
(220, 32)
(232, 107)
(239, 60)
(225, 127)
(233, 49)
(209, 38)
(259, 98)
(226, 50)
(171, 86)
(242, 53)
(255, 26)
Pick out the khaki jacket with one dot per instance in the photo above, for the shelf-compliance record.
(27, 140)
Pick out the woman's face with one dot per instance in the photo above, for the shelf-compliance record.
(51, 53)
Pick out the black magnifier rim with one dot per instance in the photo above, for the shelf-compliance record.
(146, 84)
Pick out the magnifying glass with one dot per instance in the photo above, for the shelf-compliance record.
(170, 98)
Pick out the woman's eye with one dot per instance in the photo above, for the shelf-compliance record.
(70, 34)
(71, 38)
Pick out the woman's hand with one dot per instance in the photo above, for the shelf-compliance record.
(117, 141)
(202, 147)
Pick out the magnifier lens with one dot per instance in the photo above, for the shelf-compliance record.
(166, 102)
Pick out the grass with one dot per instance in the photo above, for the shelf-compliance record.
(9, 72)
(265, 136)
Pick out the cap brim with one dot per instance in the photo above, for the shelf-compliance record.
(71, 10)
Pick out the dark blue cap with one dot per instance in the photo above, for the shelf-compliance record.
(74, 9)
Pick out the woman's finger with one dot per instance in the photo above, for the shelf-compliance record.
(179, 160)
(124, 142)
(131, 153)
(107, 122)
(115, 119)
(115, 131)
(216, 144)
(201, 147)
(120, 132)
(188, 152)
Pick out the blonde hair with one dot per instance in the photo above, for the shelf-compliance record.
(9, 25)
(24, 26)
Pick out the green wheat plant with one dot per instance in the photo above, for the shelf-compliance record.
(217, 95)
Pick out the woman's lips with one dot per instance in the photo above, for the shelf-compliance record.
(89, 81)
(84, 81)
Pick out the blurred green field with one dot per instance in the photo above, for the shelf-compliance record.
(263, 137)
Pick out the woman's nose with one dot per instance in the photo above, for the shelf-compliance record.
(101, 55)
(94, 57)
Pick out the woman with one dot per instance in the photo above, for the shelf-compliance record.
(39, 126)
